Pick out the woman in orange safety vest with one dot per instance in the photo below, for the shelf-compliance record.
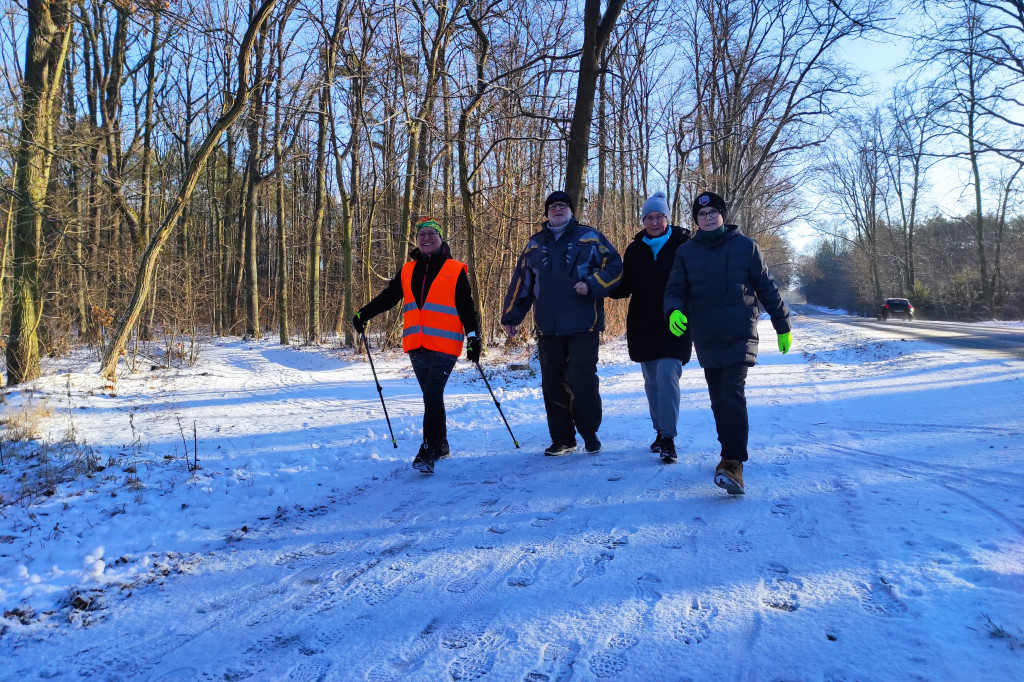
(438, 314)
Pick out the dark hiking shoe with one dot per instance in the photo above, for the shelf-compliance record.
(559, 449)
(668, 450)
(424, 465)
(425, 458)
(591, 444)
(443, 452)
(656, 445)
(729, 475)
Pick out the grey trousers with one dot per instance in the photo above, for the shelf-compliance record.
(661, 383)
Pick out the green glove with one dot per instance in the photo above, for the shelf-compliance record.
(785, 341)
(677, 322)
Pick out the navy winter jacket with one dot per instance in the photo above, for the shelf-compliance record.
(717, 285)
(546, 273)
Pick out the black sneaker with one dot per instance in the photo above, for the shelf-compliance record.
(559, 449)
(656, 445)
(443, 452)
(422, 464)
(668, 450)
(591, 444)
(425, 458)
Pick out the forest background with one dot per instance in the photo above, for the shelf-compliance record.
(172, 170)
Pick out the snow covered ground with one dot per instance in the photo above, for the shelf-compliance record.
(881, 536)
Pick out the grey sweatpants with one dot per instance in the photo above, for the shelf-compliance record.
(661, 382)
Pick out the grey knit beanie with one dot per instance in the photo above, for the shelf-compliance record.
(657, 203)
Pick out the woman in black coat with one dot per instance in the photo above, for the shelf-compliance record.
(645, 269)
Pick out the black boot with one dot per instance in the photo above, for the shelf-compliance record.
(668, 450)
(656, 445)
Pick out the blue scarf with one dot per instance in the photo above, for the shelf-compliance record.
(657, 242)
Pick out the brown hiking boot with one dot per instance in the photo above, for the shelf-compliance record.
(729, 475)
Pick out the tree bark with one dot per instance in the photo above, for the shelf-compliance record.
(46, 47)
(596, 31)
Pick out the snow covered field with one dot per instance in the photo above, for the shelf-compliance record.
(881, 536)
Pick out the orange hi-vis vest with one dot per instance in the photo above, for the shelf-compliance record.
(435, 326)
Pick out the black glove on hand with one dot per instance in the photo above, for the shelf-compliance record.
(358, 323)
(473, 347)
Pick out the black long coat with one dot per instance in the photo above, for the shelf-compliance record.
(643, 282)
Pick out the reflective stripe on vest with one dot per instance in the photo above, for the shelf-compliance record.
(435, 326)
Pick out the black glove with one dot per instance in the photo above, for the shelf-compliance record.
(358, 322)
(473, 347)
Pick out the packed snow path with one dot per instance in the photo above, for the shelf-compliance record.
(881, 536)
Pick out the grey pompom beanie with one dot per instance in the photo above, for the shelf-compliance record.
(657, 203)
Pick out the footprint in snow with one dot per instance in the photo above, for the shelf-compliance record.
(310, 671)
(695, 626)
(476, 662)
(542, 521)
(468, 582)
(646, 589)
(525, 573)
(593, 567)
(879, 600)
(606, 540)
(782, 590)
(464, 634)
(556, 661)
(607, 664)
(376, 593)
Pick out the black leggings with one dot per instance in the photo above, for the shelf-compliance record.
(432, 370)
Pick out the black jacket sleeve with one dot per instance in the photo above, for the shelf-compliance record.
(385, 300)
(625, 288)
(464, 304)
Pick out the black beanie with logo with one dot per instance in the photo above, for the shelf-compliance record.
(708, 200)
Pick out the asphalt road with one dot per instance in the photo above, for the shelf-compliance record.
(1003, 340)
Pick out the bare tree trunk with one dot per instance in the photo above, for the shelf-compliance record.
(46, 47)
(596, 31)
(330, 51)
(127, 320)
(8, 229)
(283, 305)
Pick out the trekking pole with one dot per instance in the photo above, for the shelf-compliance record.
(496, 403)
(380, 391)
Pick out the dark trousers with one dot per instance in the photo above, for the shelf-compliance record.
(729, 404)
(432, 370)
(568, 371)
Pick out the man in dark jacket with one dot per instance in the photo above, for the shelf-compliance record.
(714, 288)
(564, 273)
(646, 264)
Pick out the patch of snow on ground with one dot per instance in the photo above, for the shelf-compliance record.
(881, 536)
